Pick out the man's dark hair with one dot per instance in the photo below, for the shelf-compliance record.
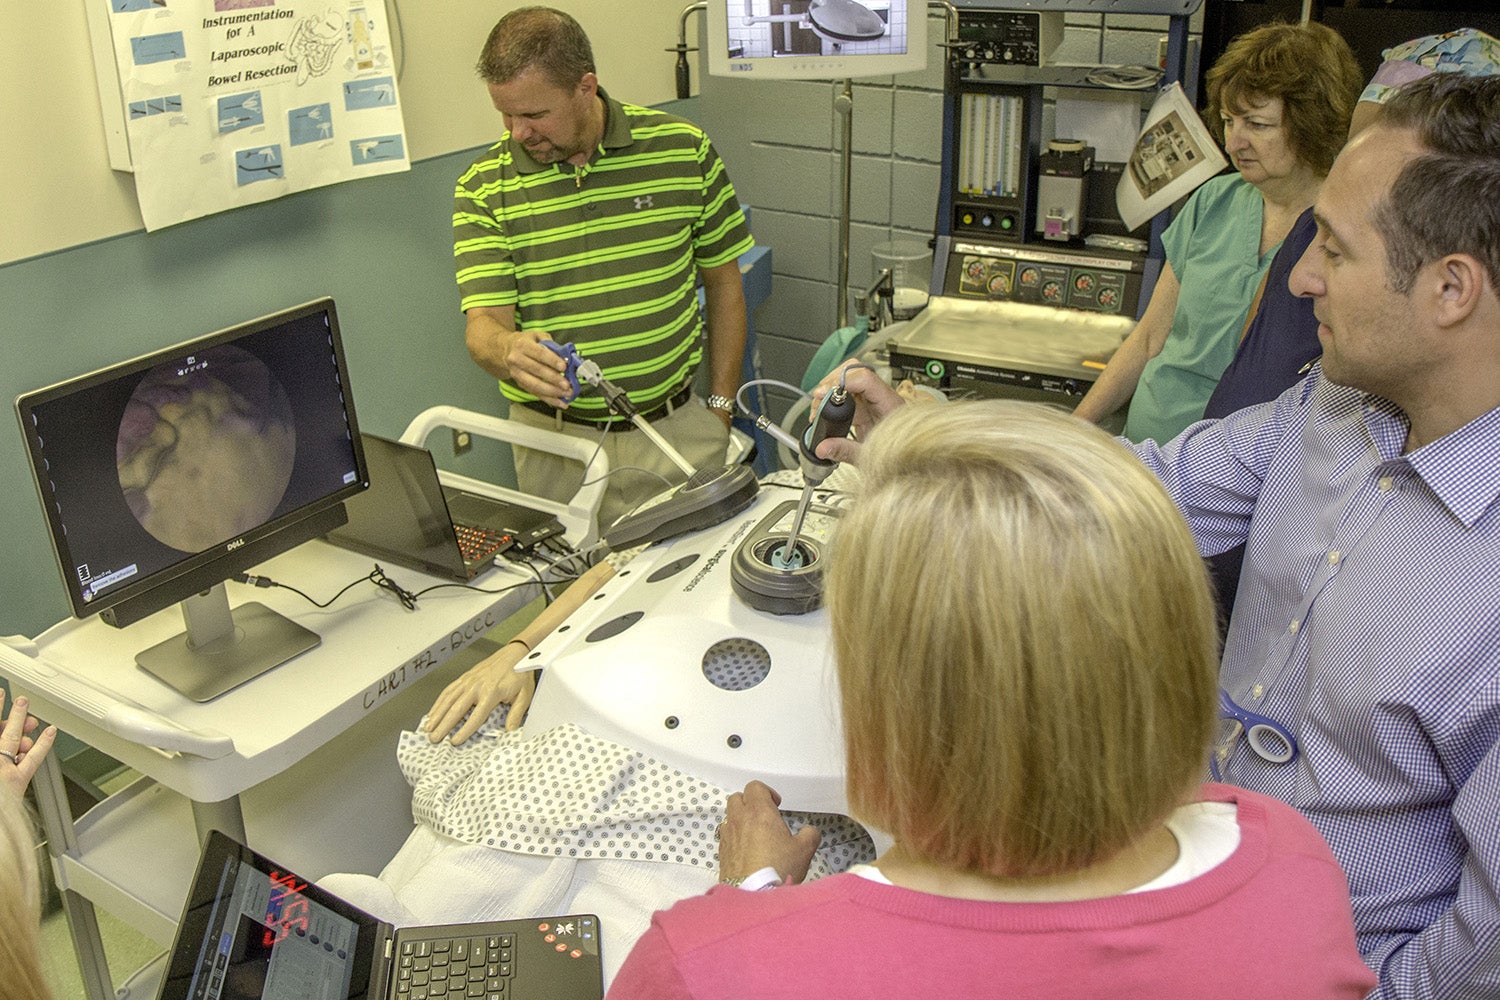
(1447, 200)
(539, 38)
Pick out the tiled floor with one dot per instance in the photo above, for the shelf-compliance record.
(126, 950)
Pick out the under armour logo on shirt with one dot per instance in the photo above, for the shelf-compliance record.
(643, 202)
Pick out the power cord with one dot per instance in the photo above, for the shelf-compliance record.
(599, 446)
(407, 598)
(629, 468)
(376, 576)
(585, 557)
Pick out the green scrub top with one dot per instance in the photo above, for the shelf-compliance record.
(1214, 248)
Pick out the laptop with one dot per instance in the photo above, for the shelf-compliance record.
(408, 517)
(253, 930)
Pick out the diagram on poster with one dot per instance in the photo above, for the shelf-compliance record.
(234, 102)
(1174, 154)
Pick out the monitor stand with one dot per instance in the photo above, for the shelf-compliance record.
(222, 650)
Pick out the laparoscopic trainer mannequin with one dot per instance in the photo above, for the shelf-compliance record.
(1031, 734)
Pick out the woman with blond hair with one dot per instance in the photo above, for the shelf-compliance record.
(20, 903)
(1027, 655)
(20, 883)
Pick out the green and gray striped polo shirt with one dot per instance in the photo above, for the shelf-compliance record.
(605, 255)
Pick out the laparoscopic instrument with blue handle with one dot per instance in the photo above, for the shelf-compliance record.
(709, 495)
(715, 491)
(588, 371)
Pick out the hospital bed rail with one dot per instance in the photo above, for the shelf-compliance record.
(579, 515)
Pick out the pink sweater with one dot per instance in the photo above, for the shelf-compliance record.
(1272, 920)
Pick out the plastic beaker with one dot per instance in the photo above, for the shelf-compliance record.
(910, 264)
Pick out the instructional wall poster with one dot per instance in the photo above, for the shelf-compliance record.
(1174, 154)
(233, 102)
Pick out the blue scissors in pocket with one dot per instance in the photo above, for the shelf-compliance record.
(1270, 740)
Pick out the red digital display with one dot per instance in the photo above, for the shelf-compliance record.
(287, 909)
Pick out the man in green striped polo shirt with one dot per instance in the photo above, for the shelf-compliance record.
(591, 222)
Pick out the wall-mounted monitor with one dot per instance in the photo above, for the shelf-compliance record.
(164, 476)
(816, 39)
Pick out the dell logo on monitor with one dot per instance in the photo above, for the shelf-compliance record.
(234, 545)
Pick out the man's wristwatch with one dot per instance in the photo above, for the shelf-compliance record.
(717, 402)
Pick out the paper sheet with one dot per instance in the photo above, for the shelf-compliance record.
(234, 102)
(1173, 155)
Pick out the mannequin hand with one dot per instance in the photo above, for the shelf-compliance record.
(471, 698)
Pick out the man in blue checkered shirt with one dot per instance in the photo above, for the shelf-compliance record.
(1367, 623)
(1368, 496)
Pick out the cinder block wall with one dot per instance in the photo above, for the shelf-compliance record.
(782, 142)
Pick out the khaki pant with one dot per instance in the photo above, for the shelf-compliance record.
(694, 430)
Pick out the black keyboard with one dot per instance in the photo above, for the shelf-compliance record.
(479, 544)
(473, 968)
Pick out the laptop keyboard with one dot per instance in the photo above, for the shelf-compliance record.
(479, 544)
(475, 968)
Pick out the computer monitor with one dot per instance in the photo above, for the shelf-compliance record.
(816, 39)
(164, 476)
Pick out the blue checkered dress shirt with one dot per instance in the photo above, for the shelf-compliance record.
(1368, 622)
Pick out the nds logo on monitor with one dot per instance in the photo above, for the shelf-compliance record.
(234, 545)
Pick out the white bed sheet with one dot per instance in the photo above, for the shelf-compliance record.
(583, 822)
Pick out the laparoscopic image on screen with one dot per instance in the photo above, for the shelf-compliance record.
(206, 448)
